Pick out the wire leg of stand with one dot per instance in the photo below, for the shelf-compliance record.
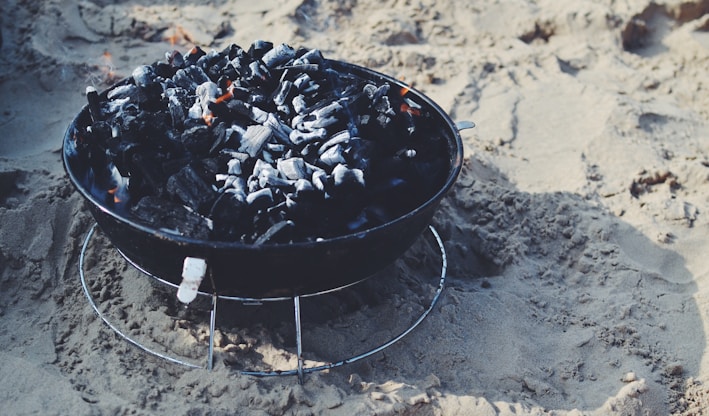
(100, 314)
(298, 338)
(212, 322)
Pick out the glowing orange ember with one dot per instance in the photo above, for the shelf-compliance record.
(208, 118)
(229, 95)
(114, 192)
(407, 108)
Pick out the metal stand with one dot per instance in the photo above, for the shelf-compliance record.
(301, 370)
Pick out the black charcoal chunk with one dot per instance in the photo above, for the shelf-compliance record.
(146, 174)
(294, 168)
(259, 48)
(333, 156)
(197, 139)
(261, 199)
(229, 214)
(298, 137)
(94, 104)
(190, 77)
(194, 54)
(278, 55)
(313, 56)
(172, 217)
(344, 176)
(143, 76)
(129, 91)
(284, 89)
(254, 139)
(191, 189)
(175, 59)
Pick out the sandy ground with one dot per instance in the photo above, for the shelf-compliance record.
(577, 233)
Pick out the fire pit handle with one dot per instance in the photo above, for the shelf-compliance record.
(193, 271)
(464, 125)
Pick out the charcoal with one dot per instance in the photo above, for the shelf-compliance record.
(191, 189)
(282, 93)
(231, 50)
(299, 104)
(254, 139)
(258, 73)
(268, 179)
(238, 107)
(259, 48)
(312, 123)
(214, 67)
(272, 144)
(190, 77)
(227, 180)
(238, 189)
(406, 153)
(383, 120)
(122, 153)
(293, 168)
(359, 153)
(312, 56)
(165, 70)
(281, 131)
(146, 175)
(143, 76)
(129, 91)
(278, 55)
(171, 217)
(229, 215)
(376, 93)
(269, 176)
(94, 104)
(298, 137)
(197, 139)
(234, 167)
(260, 199)
(333, 156)
(177, 101)
(344, 176)
(303, 82)
(319, 179)
(206, 93)
(276, 148)
(193, 55)
(175, 59)
(220, 135)
(303, 186)
(340, 138)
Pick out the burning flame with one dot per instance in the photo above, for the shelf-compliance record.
(208, 117)
(101, 70)
(407, 108)
(178, 34)
(114, 192)
(404, 91)
(228, 96)
(107, 67)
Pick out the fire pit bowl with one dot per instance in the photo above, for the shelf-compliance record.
(272, 269)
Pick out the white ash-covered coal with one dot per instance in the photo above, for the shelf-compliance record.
(265, 145)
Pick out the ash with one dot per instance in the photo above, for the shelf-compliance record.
(265, 145)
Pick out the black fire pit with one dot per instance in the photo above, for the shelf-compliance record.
(272, 269)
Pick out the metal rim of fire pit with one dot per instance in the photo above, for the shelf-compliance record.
(301, 369)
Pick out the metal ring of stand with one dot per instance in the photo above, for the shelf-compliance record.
(300, 371)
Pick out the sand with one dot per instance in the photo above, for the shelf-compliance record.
(577, 233)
